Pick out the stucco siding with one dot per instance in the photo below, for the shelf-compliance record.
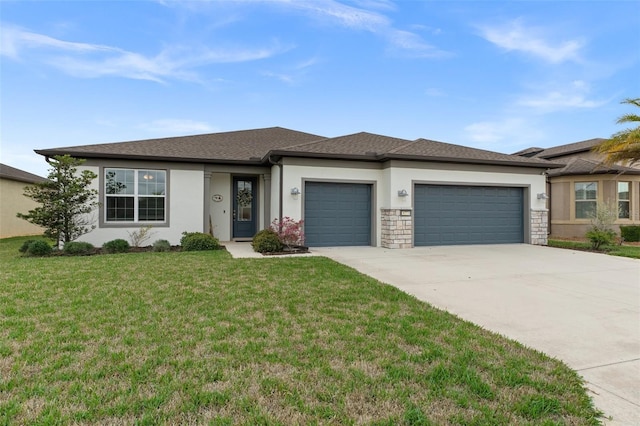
(12, 202)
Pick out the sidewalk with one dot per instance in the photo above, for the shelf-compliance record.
(243, 250)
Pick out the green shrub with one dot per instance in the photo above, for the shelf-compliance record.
(161, 245)
(601, 237)
(198, 241)
(116, 246)
(25, 246)
(38, 248)
(630, 233)
(78, 248)
(267, 241)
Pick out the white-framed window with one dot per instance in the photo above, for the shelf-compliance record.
(135, 195)
(624, 200)
(586, 199)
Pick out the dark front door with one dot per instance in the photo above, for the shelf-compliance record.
(245, 207)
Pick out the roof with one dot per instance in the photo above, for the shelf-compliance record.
(245, 146)
(583, 166)
(11, 173)
(560, 150)
(259, 146)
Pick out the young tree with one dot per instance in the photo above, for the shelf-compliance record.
(625, 145)
(65, 200)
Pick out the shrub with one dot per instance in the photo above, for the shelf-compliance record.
(601, 237)
(116, 246)
(198, 241)
(161, 245)
(78, 248)
(38, 248)
(289, 231)
(267, 241)
(140, 236)
(25, 246)
(630, 233)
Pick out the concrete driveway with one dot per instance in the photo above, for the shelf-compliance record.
(582, 308)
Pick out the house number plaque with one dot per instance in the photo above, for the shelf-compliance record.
(217, 198)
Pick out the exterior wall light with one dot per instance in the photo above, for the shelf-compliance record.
(295, 191)
(542, 196)
(403, 193)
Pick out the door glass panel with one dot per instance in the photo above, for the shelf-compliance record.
(244, 200)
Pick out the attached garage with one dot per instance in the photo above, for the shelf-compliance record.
(337, 214)
(460, 215)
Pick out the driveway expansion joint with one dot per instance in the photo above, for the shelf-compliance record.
(608, 365)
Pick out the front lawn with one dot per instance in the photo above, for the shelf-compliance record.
(201, 338)
(614, 250)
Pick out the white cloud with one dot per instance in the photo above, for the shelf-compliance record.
(570, 96)
(94, 60)
(503, 135)
(514, 36)
(177, 127)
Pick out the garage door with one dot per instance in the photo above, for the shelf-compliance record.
(447, 215)
(337, 214)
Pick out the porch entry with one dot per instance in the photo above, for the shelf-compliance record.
(245, 207)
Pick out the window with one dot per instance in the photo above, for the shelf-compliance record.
(623, 200)
(586, 199)
(135, 195)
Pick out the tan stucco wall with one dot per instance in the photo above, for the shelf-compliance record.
(12, 202)
(562, 205)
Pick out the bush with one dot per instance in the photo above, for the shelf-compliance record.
(630, 233)
(267, 241)
(38, 248)
(601, 237)
(78, 248)
(198, 241)
(161, 245)
(116, 246)
(25, 246)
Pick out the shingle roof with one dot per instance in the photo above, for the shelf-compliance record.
(256, 146)
(440, 151)
(561, 150)
(237, 146)
(11, 173)
(583, 166)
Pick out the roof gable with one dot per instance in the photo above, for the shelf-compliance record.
(561, 150)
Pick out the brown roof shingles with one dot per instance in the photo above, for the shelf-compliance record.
(255, 146)
(11, 173)
(583, 166)
(571, 148)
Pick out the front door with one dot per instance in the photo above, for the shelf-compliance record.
(244, 207)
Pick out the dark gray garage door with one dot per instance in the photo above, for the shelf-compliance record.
(447, 215)
(337, 214)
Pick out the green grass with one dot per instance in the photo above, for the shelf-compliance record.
(201, 338)
(614, 250)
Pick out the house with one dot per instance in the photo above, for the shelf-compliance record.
(13, 201)
(575, 189)
(360, 189)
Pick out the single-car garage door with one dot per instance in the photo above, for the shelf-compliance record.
(450, 214)
(337, 214)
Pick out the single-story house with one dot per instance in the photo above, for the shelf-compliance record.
(575, 189)
(360, 189)
(13, 201)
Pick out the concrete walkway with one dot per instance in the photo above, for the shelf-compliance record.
(582, 308)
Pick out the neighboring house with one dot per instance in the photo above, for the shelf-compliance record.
(360, 189)
(13, 201)
(575, 189)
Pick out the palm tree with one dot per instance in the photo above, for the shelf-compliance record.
(623, 146)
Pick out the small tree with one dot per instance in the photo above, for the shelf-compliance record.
(602, 220)
(65, 200)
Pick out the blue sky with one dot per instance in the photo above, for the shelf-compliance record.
(494, 75)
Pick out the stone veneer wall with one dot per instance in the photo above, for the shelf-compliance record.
(397, 230)
(539, 227)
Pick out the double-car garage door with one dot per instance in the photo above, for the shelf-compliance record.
(340, 214)
(457, 215)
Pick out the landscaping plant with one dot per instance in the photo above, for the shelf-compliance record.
(116, 246)
(289, 231)
(266, 241)
(65, 200)
(198, 241)
(601, 232)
